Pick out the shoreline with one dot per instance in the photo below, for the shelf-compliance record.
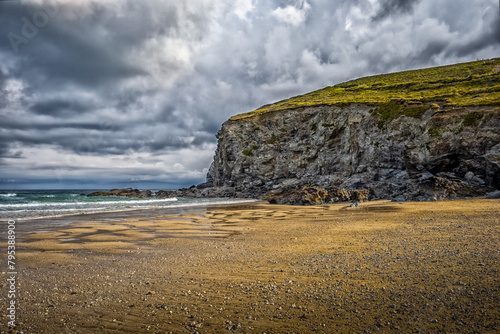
(181, 207)
(385, 266)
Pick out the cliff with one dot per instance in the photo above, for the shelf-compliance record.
(344, 147)
(416, 135)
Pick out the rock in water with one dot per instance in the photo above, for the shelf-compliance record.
(128, 192)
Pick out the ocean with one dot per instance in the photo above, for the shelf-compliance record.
(31, 204)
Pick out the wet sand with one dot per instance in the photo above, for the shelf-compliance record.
(384, 267)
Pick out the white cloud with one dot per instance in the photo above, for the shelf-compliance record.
(242, 8)
(291, 14)
(15, 91)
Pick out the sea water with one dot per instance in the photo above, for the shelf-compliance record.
(28, 204)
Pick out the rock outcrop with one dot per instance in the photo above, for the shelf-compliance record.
(128, 192)
(311, 155)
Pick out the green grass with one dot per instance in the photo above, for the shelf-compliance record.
(391, 110)
(440, 88)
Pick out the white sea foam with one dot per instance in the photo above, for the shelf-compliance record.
(79, 203)
(8, 195)
(42, 209)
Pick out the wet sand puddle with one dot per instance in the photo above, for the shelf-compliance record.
(121, 235)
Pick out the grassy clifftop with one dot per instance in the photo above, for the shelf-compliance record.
(467, 84)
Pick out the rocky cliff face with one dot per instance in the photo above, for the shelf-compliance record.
(315, 152)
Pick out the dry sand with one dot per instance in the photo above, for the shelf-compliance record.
(384, 267)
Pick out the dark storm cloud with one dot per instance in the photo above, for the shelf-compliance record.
(96, 143)
(26, 124)
(6, 152)
(490, 36)
(394, 7)
(146, 85)
(86, 49)
(92, 45)
(59, 107)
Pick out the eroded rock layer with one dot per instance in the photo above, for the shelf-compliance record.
(288, 156)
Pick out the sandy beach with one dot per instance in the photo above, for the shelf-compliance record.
(384, 267)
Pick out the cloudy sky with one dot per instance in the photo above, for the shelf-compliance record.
(116, 93)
